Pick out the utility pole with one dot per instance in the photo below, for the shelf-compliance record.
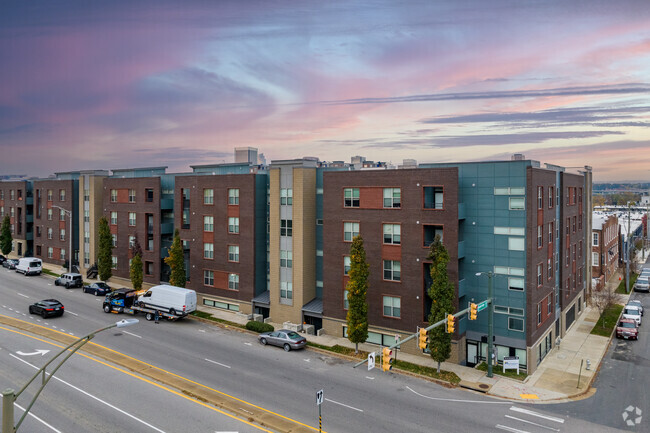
(627, 252)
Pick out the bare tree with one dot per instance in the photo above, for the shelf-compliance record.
(603, 299)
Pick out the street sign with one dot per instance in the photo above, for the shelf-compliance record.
(371, 361)
(319, 397)
(482, 306)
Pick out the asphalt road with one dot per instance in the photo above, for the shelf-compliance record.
(234, 363)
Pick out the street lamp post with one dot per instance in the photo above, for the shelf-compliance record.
(9, 396)
(490, 318)
(627, 252)
(70, 253)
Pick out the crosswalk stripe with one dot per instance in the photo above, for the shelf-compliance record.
(530, 412)
(510, 429)
(533, 423)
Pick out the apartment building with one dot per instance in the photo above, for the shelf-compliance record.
(90, 199)
(604, 245)
(16, 201)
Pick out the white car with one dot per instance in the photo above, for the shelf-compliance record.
(632, 312)
(636, 303)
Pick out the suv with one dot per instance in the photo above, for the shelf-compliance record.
(69, 280)
(632, 312)
(626, 328)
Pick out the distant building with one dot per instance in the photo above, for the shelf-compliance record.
(246, 155)
(605, 248)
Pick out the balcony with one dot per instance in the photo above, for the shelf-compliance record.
(167, 228)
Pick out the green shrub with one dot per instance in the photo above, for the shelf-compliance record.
(259, 326)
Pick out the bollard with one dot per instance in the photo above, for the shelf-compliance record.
(588, 365)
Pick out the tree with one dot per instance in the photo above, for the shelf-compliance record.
(176, 262)
(105, 252)
(357, 287)
(603, 299)
(442, 295)
(5, 235)
(135, 272)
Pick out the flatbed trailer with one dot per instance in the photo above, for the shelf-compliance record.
(123, 300)
(149, 313)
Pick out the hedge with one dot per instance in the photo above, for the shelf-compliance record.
(259, 326)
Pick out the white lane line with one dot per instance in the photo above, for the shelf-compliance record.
(62, 330)
(530, 412)
(92, 396)
(218, 363)
(201, 330)
(457, 400)
(510, 429)
(307, 360)
(70, 312)
(344, 405)
(248, 344)
(127, 332)
(371, 378)
(533, 423)
(37, 418)
(24, 296)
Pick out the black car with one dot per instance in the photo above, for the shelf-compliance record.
(10, 263)
(2, 259)
(47, 308)
(97, 289)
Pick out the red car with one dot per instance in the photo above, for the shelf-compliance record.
(627, 328)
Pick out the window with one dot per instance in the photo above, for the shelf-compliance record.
(148, 268)
(61, 215)
(516, 244)
(286, 259)
(39, 231)
(550, 233)
(233, 253)
(233, 196)
(286, 290)
(392, 197)
(208, 278)
(392, 306)
(62, 235)
(392, 234)
(49, 214)
(595, 259)
(549, 304)
(286, 196)
(208, 196)
(351, 197)
(568, 255)
(516, 284)
(114, 262)
(50, 252)
(580, 223)
(114, 240)
(392, 270)
(113, 218)
(346, 303)
(113, 195)
(131, 196)
(12, 195)
(233, 225)
(86, 216)
(568, 226)
(148, 194)
(233, 281)
(49, 195)
(515, 324)
(580, 249)
(550, 197)
(208, 223)
(350, 230)
(540, 197)
(539, 275)
(49, 233)
(549, 268)
(346, 265)
(430, 233)
(574, 224)
(86, 259)
(286, 228)
(86, 195)
(62, 254)
(131, 241)
(433, 197)
(540, 239)
(61, 195)
(131, 219)
(595, 239)
(208, 250)
(517, 203)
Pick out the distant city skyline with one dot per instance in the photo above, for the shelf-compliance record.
(119, 84)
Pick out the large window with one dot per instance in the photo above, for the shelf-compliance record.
(233, 253)
(392, 306)
(114, 240)
(540, 197)
(346, 303)
(61, 214)
(49, 214)
(392, 270)
(62, 235)
(49, 195)
(286, 196)
(286, 290)
(208, 223)
(550, 196)
(515, 324)
(595, 239)
(540, 237)
(286, 259)
(208, 196)
(49, 232)
(233, 225)
(113, 218)
(131, 196)
(595, 259)
(517, 203)
(113, 262)
(113, 195)
(132, 219)
(350, 230)
(61, 195)
(208, 278)
(208, 250)
(346, 265)
(351, 197)
(286, 228)
(539, 275)
(233, 281)
(392, 234)
(516, 244)
(433, 197)
(392, 197)
(233, 196)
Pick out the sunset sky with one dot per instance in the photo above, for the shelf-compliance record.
(117, 84)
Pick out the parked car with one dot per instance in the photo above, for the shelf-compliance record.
(97, 289)
(632, 312)
(283, 338)
(30, 266)
(10, 263)
(169, 299)
(47, 308)
(636, 303)
(627, 328)
(2, 259)
(69, 280)
(641, 286)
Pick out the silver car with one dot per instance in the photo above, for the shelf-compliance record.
(283, 338)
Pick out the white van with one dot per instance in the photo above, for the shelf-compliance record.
(170, 299)
(30, 266)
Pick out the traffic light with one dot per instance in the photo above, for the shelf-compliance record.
(386, 359)
(422, 341)
(450, 323)
(473, 311)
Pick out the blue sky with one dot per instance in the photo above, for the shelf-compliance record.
(101, 85)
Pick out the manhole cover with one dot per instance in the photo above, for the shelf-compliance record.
(484, 386)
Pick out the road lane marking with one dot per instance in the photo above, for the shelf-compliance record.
(457, 400)
(38, 352)
(510, 429)
(70, 312)
(20, 294)
(537, 414)
(37, 418)
(344, 405)
(92, 396)
(371, 378)
(218, 363)
(127, 332)
(533, 423)
(248, 344)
